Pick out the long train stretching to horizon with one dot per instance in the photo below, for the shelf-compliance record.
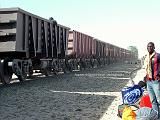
(29, 42)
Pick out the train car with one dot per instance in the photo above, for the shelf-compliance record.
(100, 51)
(81, 48)
(29, 42)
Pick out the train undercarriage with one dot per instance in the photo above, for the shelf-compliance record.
(26, 68)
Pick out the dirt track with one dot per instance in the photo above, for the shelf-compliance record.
(72, 96)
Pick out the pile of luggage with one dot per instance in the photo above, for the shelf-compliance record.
(136, 104)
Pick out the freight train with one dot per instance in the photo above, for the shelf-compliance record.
(29, 42)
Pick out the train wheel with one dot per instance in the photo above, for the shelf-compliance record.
(22, 77)
(5, 71)
(30, 74)
(71, 68)
(46, 71)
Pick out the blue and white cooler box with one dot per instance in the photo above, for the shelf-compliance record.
(131, 95)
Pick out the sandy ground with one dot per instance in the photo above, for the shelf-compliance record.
(92, 94)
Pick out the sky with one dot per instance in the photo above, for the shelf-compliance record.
(120, 22)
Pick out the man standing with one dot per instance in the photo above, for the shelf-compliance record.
(152, 78)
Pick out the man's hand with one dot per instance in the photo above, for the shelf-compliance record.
(157, 77)
(145, 78)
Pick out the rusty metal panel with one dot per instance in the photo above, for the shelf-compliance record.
(26, 38)
(107, 50)
(7, 46)
(90, 47)
(79, 44)
(70, 44)
(74, 44)
(53, 34)
(7, 31)
(62, 42)
(35, 33)
(99, 48)
(81, 47)
(110, 50)
(7, 18)
(20, 30)
(45, 38)
(84, 43)
(94, 47)
(85, 46)
(39, 41)
(97, 51)
(103, 49)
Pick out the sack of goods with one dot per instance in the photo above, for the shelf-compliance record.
(145, 101)
(124, 106)
(131, 95)
(146, 113)
(128, 114)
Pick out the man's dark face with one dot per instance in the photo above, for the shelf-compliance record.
(150, 48)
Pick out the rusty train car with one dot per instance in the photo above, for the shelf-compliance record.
(29, 42)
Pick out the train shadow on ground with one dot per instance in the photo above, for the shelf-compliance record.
(79, 95)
